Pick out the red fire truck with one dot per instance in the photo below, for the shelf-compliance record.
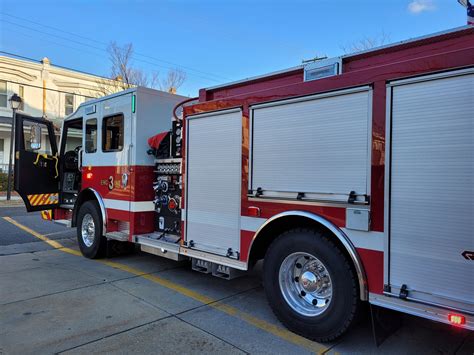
(351, 177)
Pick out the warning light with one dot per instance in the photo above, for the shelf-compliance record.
(456, 319)
(253, 211)
(134, 103)
(89, 176)
(172, 204)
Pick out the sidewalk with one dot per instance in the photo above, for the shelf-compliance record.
(15, 200)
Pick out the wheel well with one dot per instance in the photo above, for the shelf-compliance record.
(282, 224)
(84, 196)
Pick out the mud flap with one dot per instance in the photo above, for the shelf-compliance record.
(116, 248)
(385, 322)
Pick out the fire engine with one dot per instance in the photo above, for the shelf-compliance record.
(351, 177)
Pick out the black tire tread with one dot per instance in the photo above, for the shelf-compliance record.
(99, 248)
(355, 305)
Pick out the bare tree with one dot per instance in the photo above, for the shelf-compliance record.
(366, 43)
(123, 74)
(172, 81)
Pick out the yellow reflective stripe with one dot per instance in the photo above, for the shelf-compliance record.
(43, 199)
(39, 199)
(34, 200)
(55, 200)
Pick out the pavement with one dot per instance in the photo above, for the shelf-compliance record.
(52, 300)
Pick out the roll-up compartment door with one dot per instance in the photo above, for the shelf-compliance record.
(214, 150)
(432, 190)
(318, 146)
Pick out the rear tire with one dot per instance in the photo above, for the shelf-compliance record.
(92, 242)
(310, 285)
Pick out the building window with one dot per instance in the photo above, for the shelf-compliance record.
(2, 154)
(3, 94)
(112, 134)
(68, 104)
(91, 136)
(21, 93)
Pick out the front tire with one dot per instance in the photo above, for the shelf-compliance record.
(310, 285)
(90, 237)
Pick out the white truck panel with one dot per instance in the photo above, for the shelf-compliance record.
(432, 190)
(214, 150)
(319, 145)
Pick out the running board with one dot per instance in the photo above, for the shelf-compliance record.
(419, 309)
(160, 245)
(120, 236)
(63, 222)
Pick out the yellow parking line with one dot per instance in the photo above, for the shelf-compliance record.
(45, 239)
(232, 311)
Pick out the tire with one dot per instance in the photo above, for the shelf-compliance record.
(90, 237)
(310, 285)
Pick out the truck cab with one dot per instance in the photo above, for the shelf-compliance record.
(101, 155)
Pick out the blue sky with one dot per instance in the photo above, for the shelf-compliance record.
(213, 41)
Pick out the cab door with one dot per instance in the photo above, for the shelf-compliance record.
(36, 172)
(106, 165)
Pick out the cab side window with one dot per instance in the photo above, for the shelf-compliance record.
(112, 133)
(91, 136)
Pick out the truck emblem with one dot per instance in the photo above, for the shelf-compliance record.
(468, 255)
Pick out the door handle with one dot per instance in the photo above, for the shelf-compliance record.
(79, 159)
(124, 180)
(129, 157)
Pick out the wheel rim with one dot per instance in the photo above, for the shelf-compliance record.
(88, 230)
(306, 284)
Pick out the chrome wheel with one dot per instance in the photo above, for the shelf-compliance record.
(88, 230)
(305, 284)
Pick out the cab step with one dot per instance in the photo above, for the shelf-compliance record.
(166, 246)
(120, 236)
(217, 270)
(63, 222)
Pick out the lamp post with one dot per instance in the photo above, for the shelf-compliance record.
(15, 103)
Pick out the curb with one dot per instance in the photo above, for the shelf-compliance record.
(11, 203)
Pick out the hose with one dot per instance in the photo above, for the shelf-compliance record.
(181, 104)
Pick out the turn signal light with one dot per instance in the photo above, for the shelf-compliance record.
(456, 319)
(253, 211)
(89, 176)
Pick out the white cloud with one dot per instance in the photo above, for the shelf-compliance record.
(419, 6)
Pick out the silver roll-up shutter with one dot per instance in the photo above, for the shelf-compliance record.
(314, 145)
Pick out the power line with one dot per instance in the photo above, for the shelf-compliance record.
(49, 89)
(105, 44)
(97, 48)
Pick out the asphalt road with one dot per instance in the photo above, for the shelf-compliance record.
(53, 300)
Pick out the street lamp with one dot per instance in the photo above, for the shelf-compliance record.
(15, 103)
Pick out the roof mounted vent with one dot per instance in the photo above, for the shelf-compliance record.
(322, 68)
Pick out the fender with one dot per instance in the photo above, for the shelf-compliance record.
(82, 198)
(338, 233)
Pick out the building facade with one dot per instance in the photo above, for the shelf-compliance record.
(47, 91)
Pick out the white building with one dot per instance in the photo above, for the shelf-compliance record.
(47, 91)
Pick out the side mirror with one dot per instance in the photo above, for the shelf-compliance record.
(35, 137)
